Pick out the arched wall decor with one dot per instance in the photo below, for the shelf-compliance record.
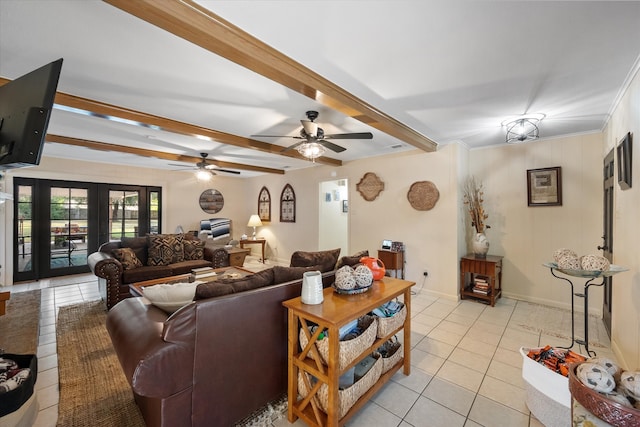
(288, 204)
(264, 204)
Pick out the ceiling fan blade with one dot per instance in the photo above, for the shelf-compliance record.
(181, 166)
(331, 146)
(223, 170)
(356, 135)
(293, 146)
(276, 136)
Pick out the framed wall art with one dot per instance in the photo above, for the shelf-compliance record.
(624, 153)
(345, 206)
(264, 205)
(544, 187)
(211, 201)
(288, 204)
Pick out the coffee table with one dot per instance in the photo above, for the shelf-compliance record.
(136, 289)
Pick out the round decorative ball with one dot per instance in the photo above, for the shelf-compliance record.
(596, 377)
(345, 278)
(569, 262)
(560, 253)
(630, 381)
(594, 263)
(363, 276)
(620, 398)
(608, 364)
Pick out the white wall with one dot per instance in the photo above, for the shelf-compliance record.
(333, 224)
(625, 339)
(527, 236)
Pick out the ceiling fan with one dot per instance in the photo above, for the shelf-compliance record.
(203, 166)
(311, 133)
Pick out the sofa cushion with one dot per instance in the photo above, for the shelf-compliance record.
(193, 249)
(165, 249)
(146, 272)
(139, 245)
(230, 286)
(170, 297)
(351, 260)
(325, 259)
(127, 258)
(286, 274)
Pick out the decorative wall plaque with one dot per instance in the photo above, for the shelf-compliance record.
(288, 204)
(370, 186)
(423, 195)
(264, 205)
(211, 201)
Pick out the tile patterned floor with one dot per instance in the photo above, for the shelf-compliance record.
(466, 368)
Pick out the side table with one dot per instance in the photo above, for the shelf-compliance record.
(491, 267)
(254, 242)
(334, 312)
(589, 276)
(392, 260)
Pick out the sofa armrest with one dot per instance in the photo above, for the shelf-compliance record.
(154, 366)
(104, 265)
(219, 257)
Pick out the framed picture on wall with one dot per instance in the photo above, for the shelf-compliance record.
(624, 162)
(544, 186)
(345, 206)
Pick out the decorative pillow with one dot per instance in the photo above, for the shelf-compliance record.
(140, 246)
(352, 260)
(165, 249)
(212, 289)
(325, 259)
(127, 258)
(171, 297)
(258, 280)
(193, 249)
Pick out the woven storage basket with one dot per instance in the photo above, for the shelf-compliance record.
(394, 354)
(349, 396)
(386, 325)
(348, 350)
(603, 408)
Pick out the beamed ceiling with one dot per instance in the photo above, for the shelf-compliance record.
(155, 83)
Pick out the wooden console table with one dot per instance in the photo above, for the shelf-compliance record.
(336, 311)
(237, 256)
(254, 242)
(392, 260)
(490, 267)
(4, 297)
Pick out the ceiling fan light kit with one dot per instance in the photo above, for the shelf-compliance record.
(311, 150)
(523, 128)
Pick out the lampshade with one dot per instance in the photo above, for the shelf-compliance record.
(254, 221)
(311, 150)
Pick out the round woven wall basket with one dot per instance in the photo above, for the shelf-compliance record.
(423, 195)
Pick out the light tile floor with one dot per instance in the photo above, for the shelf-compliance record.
(466, 366)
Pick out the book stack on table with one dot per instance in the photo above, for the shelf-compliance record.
(481, 285)
(201, 273)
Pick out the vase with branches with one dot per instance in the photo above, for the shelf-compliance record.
(473, 193)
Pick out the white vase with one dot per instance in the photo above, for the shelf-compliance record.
(312, 288)
(480, 245)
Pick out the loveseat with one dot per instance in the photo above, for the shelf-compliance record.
(121, 263)
(218, 358)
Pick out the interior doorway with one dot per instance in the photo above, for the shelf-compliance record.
(333, 216)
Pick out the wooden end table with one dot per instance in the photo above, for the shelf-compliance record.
(254, 242)
(489, 267)
(335, 311)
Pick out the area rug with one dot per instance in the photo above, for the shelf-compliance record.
(19, 326)
(93, 388)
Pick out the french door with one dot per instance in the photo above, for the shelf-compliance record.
(607, 235)
(59, 223)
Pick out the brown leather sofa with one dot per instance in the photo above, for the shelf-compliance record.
(114, 278)
(214, 361)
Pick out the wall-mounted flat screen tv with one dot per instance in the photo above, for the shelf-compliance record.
(25, 108)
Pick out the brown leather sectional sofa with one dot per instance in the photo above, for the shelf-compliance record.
(114, 279)
(214, 361)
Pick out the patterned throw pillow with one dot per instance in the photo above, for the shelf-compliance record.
(165, 249)
(127, 258)
(193, 249)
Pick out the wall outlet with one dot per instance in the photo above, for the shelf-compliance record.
(425, 273)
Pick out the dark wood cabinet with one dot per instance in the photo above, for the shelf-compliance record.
(481, 270)
(392, 260)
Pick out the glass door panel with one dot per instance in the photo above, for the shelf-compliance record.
(68, 227)
(154, 212)
(123, 214)
(25, 222)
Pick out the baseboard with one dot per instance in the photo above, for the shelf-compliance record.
(579, 307)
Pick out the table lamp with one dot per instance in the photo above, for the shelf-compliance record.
(254, 222)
